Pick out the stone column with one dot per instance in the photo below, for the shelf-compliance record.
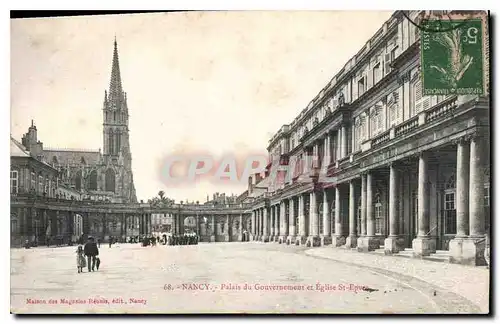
(285, 220)
(326, 237)
(122, 227)
(265, 234)
(462, 201)
(104, 227)
(214, 230)
(228, 229)
(344, 141)
(271, 225)
(291, 222)
(198, 225)
(328, 154)
(363, 213)
(393, 243)
(257, 225)
(474, 246)
(302, 221)
(261, 222)
(423, 244)
(313, 239)
(339, 144)
(372, 243)
(240, 229)
(338, 239)
(351, 241)
(282, 238)
(253, 230)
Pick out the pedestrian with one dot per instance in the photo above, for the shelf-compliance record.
(99, 243)
(80, 259)
(92, 252)
(110, 241)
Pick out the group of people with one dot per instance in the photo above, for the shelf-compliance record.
(183, 239)
(88, 255)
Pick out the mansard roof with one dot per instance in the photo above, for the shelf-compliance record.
(17, 149)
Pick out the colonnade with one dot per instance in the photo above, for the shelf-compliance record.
(277, 221)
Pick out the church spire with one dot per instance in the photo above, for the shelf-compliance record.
(115, 84)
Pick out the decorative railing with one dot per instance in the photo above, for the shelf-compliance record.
(440, 110)
(407, 126)
(382, 138)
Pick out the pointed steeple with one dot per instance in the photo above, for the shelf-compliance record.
(115, 84)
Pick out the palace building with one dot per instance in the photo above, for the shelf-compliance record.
(411, 171)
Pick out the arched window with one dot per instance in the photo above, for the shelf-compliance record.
(110, 141)
(54, 160)
(450, 213)
(78, 180)
(93, 180)
(117, 142)
(114, 115)
(82, 161)
(110, 180)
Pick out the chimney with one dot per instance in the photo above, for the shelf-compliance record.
(258, 178)
(250, 184)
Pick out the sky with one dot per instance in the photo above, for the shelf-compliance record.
(218, 82)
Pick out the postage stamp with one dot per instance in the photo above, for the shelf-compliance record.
(167, 163)
(453, 55)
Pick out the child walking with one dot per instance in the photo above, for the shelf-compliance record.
(80, 259)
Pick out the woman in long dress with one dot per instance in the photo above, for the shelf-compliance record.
(80, 259)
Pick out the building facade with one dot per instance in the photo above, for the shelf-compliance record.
(94, 174)
(75, 175)
(409, 173)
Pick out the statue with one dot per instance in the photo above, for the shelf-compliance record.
(341, 99)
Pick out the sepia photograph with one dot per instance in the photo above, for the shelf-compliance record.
(250, 162)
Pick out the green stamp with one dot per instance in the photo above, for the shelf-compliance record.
(452, 60)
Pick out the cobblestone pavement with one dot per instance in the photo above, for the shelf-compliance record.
(471, 283)
(211, 278)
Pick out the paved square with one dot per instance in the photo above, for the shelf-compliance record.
(215, 278)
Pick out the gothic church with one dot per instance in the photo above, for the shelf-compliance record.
(97, 175)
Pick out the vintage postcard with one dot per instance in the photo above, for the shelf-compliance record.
(251, 162)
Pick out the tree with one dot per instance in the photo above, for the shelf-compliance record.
(160, 200)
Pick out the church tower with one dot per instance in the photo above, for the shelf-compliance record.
(116, 139)
(116, 150)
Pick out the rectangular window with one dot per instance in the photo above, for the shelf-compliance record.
(14, 181)
(377, 73)
(450, 213)
(361, 86)
(40, 184)
(33, 181)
